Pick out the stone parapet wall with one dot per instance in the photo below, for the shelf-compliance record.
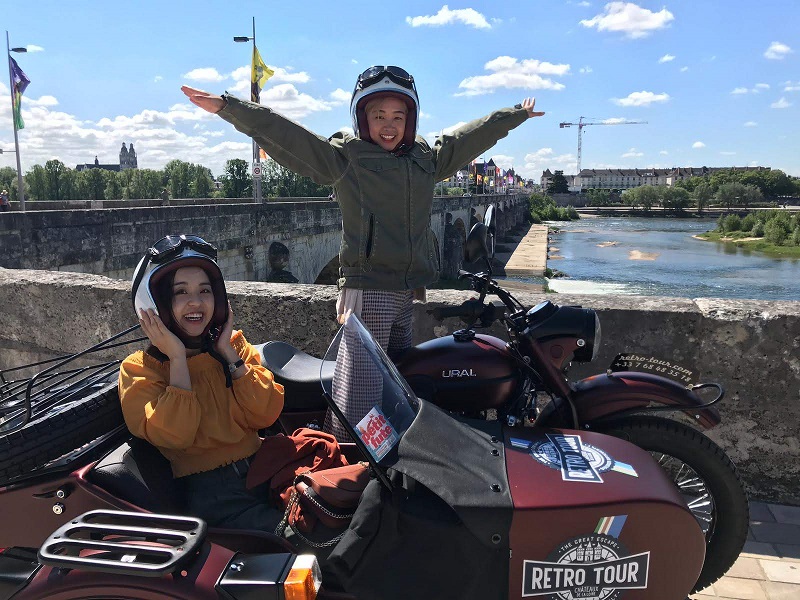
(109, 237)
(752, 348)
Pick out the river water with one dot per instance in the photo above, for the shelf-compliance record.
(659, 257)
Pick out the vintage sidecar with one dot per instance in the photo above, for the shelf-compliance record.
(455, 509)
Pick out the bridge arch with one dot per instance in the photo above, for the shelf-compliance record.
(455, 236)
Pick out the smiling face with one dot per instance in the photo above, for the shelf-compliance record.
(386, 118)
(192, 300)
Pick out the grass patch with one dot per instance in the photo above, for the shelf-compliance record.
(759, 245)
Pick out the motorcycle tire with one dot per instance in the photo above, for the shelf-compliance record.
(59, 432)
(667, 440)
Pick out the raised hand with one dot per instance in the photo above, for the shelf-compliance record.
(528, 105)
(208, 102)
(223, 343)
(161, 337)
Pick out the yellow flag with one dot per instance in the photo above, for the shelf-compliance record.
(259, 73)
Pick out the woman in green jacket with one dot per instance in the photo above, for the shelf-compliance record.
(383, 178)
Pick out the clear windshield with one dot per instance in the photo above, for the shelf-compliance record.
(375, 402)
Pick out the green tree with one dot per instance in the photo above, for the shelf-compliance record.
(731, 194)
(54, 175)
(114, 184)
(674, 198)
(202, 182)
(236, 180)
(144, 183)
(776, 231)
(91, 183)
(702, 194)
(558, 185)
(36, 179)
(645, 196)
(179, 178)
(599, 197)
(751, 195)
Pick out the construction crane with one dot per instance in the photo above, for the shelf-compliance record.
(581, 124)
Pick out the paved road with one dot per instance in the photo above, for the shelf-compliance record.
(769, 566)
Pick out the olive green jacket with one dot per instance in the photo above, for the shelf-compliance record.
(386, 200)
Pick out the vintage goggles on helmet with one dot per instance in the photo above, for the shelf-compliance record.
(375, 74)
(171, 246)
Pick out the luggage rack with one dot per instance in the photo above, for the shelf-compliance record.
(124, 543)
(28, 399)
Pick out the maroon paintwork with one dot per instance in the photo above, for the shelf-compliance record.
(549, 512)
(36, 503)
(472, 375)
(601, 395)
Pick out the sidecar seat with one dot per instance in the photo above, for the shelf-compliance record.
(138, 473)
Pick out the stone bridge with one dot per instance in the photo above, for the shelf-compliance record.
(285, 240)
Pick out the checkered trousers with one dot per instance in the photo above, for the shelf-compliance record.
(357, 384)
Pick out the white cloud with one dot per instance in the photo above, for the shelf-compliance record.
(750, 124)
(725, 153)
(756, 89)
(777, 51)
(34, 48)
(792, 87)
(614, 120)
(545, 158)
(663, 152)
(584, 3)
(697, 145)
(684, 69)
(503, 161)
(43, 101)
(241, 78)
(340, 96)
(158, 134)
(511, 73)
(630, 19)
(666, 58)
(157, 78)
(782, 103)
(445, 16)
(642, 98)
(585, 70)
(204, 74)
(633, 153)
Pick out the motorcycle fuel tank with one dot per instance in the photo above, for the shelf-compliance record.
(596, 518)
(472, 374)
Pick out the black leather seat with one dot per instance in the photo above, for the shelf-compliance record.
(299, 373)
(138, 473)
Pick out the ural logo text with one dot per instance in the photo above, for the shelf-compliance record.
(459, 373)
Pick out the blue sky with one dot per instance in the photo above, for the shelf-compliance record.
(718, 82)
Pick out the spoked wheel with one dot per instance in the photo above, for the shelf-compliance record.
(694, 490)
(707, 480)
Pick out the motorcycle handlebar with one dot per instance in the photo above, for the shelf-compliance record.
(471, 310)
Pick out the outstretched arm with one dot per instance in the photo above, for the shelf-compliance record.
(208, 102)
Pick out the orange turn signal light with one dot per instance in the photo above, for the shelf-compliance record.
(304, 579)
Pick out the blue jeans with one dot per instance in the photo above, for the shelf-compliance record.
(220, 498)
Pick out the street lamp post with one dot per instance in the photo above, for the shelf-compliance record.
(257, 196)
(20, 186)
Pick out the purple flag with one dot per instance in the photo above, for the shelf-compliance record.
(20, 82)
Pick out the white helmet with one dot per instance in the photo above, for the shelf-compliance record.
(391, 81)
(152, 281)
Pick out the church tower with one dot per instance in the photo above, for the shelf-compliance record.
(127, 158)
